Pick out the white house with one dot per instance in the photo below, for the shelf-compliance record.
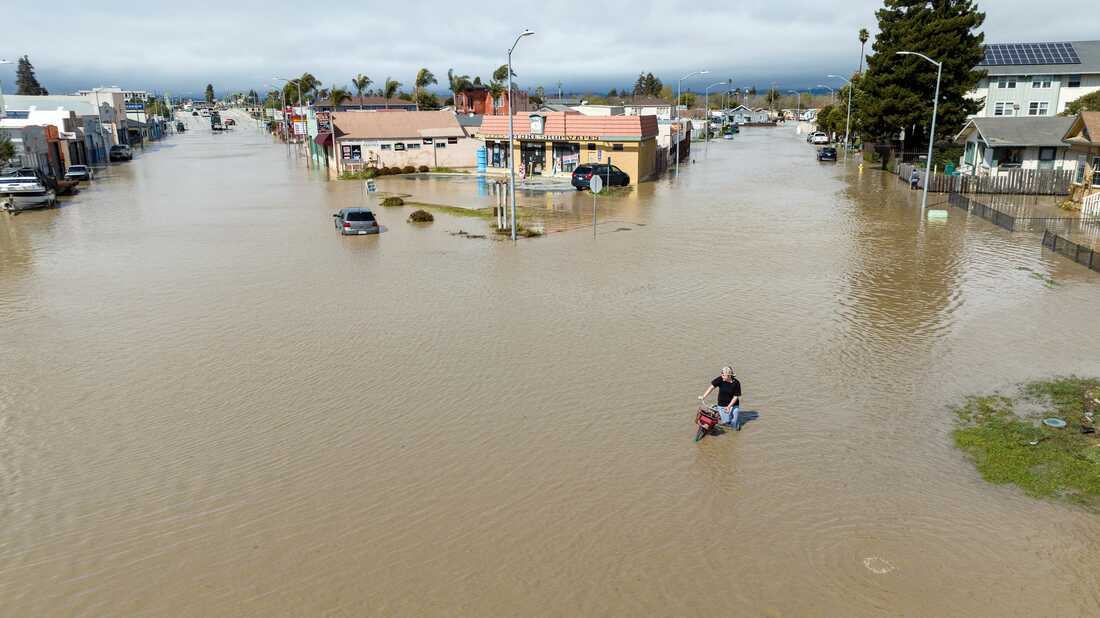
(746, 115)
(1036, 79)
(998, 145)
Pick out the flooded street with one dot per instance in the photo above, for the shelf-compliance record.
(214, 405)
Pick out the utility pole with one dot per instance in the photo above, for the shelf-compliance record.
(511, 134)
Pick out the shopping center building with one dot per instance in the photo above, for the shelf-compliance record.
(554, 143)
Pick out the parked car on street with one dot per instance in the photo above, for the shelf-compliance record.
(819, 138)
(78, 172)
(355, 221)
(26, 188)
(229, 122)
(582, 175)
(121, 152)
(827, 153)
(194, 113)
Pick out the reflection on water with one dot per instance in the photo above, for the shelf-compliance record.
(216, 405)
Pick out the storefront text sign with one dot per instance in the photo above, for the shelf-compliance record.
(547, 138)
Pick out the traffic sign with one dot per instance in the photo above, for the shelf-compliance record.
(596, 184)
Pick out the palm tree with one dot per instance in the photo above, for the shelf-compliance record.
(424, 78)
(863, 36)
(456, 83)
(390, 89)
(337, 95)
(360, 82)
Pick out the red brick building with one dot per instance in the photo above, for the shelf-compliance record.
(479, 100)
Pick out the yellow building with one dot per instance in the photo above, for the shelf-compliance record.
(554, 143)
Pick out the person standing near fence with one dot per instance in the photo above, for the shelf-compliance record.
(914, 179)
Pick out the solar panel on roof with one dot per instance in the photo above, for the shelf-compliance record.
(1008, 54)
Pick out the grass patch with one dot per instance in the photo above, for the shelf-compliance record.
(421, 216)
(449, 170)
(363, 174)
(393, 201)
(1009, 446)
(478, 213)
(525, 232)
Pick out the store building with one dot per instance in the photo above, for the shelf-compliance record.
(555, 143)
(434, 139)
(478, 99)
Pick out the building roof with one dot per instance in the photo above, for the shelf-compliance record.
(1084, 130)
(469, 120)
(555, 107)
(357, 125)
(572, 124)
(375, 101)
(23, 103)
(645, 101)
(1087, 51)
(1018, 131)
(565, 102)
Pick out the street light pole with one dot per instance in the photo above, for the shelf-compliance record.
(511, 135)
(798, 109)
(932, 131)
(676, 107)
(706, 118)
(831, 91)
(848, 120)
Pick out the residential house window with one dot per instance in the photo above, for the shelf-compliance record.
(427, 141)
(1038, 108)
(1046, 158)
(385, 147)
(452, 140)
(1073, 81)
(1006, 82)
(398, 146)
(1096, 171)
(1008, 157)
(1040, 82)
(412, 146)
(1004, 108)
(440, 145)
(1079, 173)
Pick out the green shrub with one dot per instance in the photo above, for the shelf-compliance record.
(423, 169)
(421, 216)
(408, 169)
(393, 201)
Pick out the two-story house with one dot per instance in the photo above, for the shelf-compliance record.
(478, 99)
(1036, 79)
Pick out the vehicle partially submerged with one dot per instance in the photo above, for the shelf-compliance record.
(25, 189)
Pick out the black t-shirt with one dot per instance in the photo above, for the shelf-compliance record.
(727, 390)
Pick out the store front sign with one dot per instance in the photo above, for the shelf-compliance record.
(546, 138)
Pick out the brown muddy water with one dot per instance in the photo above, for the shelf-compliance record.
(213, 405)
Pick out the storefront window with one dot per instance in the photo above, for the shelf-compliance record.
(498, 154)
(566, 156)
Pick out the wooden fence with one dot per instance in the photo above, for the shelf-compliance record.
(1018, 182)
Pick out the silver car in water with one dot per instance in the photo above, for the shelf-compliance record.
(355, 221)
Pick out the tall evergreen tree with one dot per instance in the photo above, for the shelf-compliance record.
(898, 89)
(209, 95)
(25, 80)
(639, 86)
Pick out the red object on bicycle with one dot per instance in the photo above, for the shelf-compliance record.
(706, 419)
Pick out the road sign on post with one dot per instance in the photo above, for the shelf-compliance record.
(596, 183)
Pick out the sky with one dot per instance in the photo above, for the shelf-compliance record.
(237, 45)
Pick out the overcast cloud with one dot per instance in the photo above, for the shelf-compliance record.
(237, 45)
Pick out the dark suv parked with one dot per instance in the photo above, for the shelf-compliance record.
(582, 176)
(826, 154)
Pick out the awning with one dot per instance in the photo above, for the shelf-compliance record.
(323, 139)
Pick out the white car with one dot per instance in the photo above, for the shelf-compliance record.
(819, 138)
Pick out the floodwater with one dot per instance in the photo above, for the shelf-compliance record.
(213, 405)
